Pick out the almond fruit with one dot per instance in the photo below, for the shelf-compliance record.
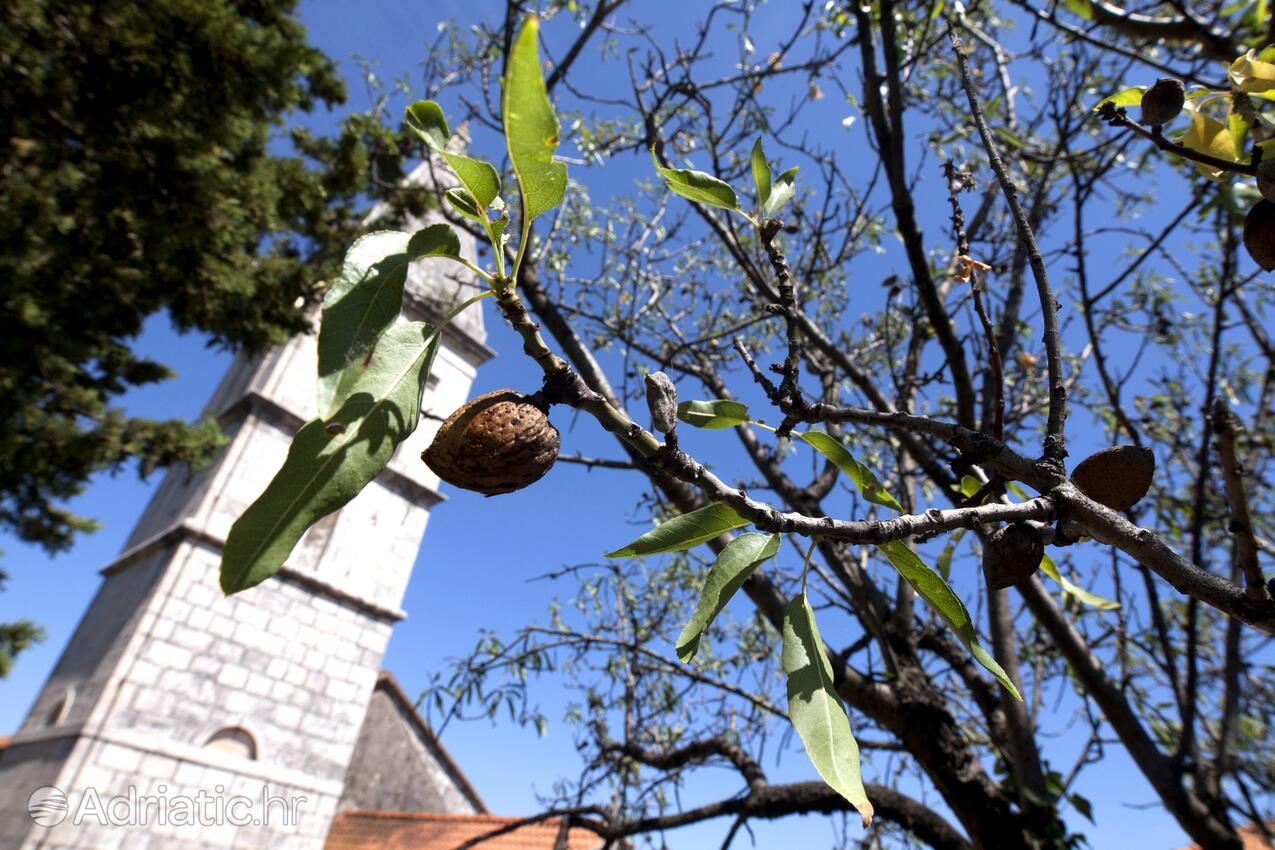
(1116, 477)
(498, 443)
(1266, 179)
(1012, 554)
(1259, 234)
(1163, 101)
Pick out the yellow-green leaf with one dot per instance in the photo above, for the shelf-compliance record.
(761, 173)
(1251, 74)
(330, 461)
(1209, 136)
(1124, 97)
(426, 119)
(784, 187)
(1049, 568)
(1082, 9)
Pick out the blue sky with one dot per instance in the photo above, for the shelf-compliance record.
(479, 555)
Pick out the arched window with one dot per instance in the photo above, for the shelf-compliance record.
(235, 741)
(60, 709)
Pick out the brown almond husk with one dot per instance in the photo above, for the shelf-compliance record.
(1013, 553)
(1163, 101)
(1117, 477)
(497, 443)
(1266, 179)
(1259, 234)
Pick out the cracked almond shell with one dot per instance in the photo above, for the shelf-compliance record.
(1116, 477)
(498, 443)
(1012, 554)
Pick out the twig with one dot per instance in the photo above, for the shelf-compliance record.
(1107, 526)
(1055, 447)
(787, 306)
(603, 463)
(1116, 117)
(1241, 525)
(957, 182)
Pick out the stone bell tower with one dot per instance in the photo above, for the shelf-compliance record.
(230, 722)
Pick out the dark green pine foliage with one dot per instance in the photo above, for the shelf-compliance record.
(15, 637)
(140, 173)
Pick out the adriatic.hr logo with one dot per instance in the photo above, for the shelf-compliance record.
(48, 806)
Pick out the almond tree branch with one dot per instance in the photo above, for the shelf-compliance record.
(1241, 525)
(1158, 768)
(1117, 117)
(1145, 546)
(910, 708)
(1055, 446)
(1141, 56)
(889, 135)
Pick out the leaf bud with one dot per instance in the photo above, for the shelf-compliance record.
(661, 398)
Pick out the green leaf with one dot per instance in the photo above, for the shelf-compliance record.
(1083, 806)
(531, 128)
(815, 709)
(761, 173)
(1022, 494)
(733, 566)
(1049, 568)
(364, 300)
(697, 186)
(936, 10)
(944, 563)
(330, 462)
(683, 532)
(464, 203)
(1082, 9)
(932, 587)
(478, 177)
(437, 240)
(946, 603)
(869, 487)
(713, 414)
(426, 118)
(1124, 97)
(785, 186)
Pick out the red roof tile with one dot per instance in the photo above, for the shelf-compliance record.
(1250, 835)
(360, 830)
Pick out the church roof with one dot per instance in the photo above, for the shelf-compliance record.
(399, 764)
(1250, 837)
(355, 830)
